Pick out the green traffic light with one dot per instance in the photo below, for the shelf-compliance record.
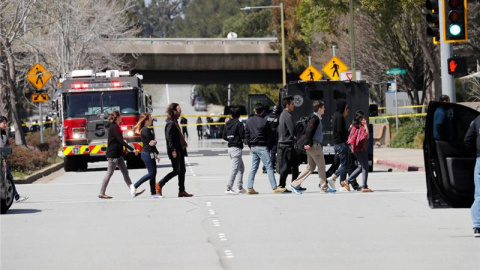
(455, 30)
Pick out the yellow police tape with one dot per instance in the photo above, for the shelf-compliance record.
(226, 116)
(399, 116)
(414, 106)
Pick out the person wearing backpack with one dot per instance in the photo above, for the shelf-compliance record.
(287, 154)
(311, 141)
(234, 134)
(358, 141)
(272, 120)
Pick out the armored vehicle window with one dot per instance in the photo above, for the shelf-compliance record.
(316, 95)
(339, 95)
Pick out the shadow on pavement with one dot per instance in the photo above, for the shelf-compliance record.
(22, 211)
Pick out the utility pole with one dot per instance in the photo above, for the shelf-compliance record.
(446, 51)
(352, 42)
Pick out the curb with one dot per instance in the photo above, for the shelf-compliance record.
(39, 174)
(399, 165)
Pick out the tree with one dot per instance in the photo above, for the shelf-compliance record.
(66, 35)
(157, 18)
(13, 15)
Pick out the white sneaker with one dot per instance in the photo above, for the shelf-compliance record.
(156, 196)
(133, 191)
(21, 199)
(231, 192)
(331, 181)
(242, 191)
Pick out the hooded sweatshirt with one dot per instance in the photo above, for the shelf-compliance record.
(234, 133)
(340, 132)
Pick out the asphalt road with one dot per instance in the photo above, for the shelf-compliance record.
(65, 226)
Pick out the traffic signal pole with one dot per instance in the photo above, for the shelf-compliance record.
(446, 51)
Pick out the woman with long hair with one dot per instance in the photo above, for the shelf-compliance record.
(114, 155)
(176, 150)
(149, 152)
(358, 141)
(199, 128)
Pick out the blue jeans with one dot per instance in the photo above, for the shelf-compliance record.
(343, 155)
(151, 172)
(476, 203)
(261, 153)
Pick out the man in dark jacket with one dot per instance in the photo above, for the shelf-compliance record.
(272, 120)
(472, 141)
(312, 143)
(234, 134)
(340, 136)
(288, 159)
(259, 139)
(176, 150)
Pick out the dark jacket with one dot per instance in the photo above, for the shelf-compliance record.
(472, 137)
(147, 135)
(311, 128)
(115, 142)
(273, 122)
(257, 132)
(340, 132)
(234, 133)
(172, 136)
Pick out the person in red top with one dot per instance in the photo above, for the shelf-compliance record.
(358, 142)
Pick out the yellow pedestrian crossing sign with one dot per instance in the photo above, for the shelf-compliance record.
(333, 68)
(311, 74)
(39, 97)
(38, 76)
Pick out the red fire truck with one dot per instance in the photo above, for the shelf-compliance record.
(83, 105)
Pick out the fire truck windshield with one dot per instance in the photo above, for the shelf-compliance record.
(94, 103)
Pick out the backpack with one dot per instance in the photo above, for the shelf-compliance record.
(299, 136)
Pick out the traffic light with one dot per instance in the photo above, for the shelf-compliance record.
(433, 20)
(457, 66)
(455, 20)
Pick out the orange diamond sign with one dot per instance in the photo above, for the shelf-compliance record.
(311, 74)
(38, 76)
(334, 67)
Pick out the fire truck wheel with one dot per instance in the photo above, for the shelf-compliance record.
(71, 164)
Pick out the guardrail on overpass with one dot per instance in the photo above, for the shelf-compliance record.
(202, 60)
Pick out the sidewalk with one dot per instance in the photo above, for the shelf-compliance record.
(399, 158)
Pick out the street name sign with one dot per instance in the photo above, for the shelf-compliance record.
(396, 71)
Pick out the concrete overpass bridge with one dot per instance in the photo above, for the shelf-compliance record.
(202, 60)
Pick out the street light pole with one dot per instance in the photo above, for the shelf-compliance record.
(284, 69)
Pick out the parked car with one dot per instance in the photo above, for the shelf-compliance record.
(6, 187)
(200, 104)
(449, 165)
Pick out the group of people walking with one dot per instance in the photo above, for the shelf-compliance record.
(176, 150)
(272, 138)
